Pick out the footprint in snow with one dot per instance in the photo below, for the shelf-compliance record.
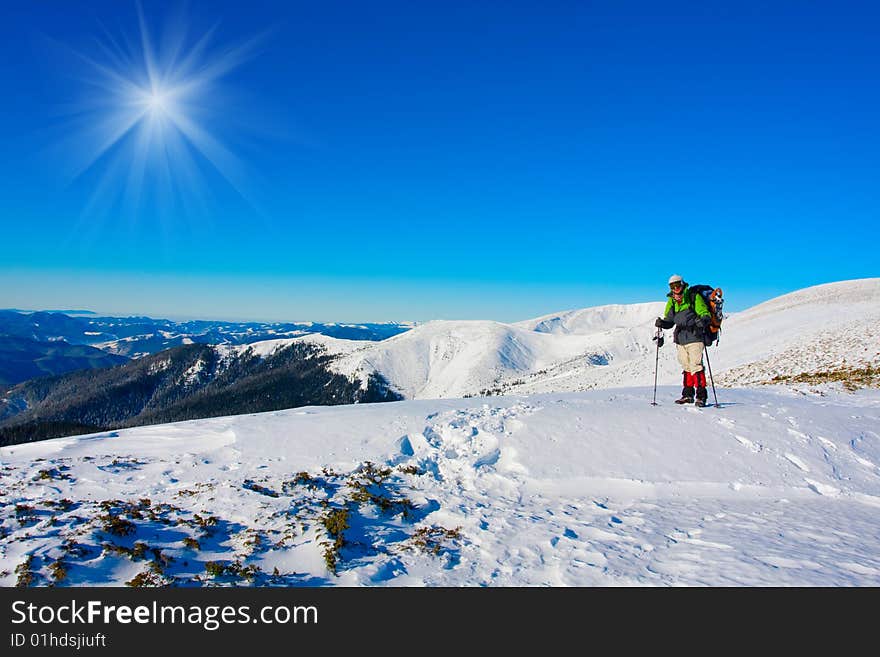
(488, 459)
(405, 446)
(568, 533)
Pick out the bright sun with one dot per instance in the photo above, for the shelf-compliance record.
(150, 102)
(157, 101)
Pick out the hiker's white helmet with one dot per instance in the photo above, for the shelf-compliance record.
(675, 278)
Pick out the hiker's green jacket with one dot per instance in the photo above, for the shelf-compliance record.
(690, 317)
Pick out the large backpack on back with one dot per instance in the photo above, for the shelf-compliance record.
(714, 299)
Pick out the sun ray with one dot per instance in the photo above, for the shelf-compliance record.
(107, 134)
(145, 119)
(223, 160)
(147, 50)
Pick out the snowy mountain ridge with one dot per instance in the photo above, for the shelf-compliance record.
(611, 346)
(585, 321)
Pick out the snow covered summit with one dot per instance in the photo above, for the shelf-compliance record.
(611, 346)
(818, 329)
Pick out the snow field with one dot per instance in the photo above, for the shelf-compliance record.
(572, 489)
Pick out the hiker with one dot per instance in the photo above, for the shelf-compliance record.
(689, 314)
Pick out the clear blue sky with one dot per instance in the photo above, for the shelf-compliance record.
(418, 160)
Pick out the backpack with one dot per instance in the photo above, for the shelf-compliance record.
(714, 299)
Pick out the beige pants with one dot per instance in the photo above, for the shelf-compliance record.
(691, 356)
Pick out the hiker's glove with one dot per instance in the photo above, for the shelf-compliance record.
(659, 322)
(662, 323)
(703, 323)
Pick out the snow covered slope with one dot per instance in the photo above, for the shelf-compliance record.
(266, 348)
(597, 488)
(819, 328)
(453, 359)
(611, 346)
(596, 320)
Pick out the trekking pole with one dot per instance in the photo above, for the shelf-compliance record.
(658, 338)
(711, 378)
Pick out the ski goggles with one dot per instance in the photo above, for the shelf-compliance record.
(677, 285)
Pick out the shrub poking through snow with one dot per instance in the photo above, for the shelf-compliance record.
(851, 378)
(25, 513)
(217, 569)
(25, 572)
(335, 522)
(58, 570)
(113, 524)
(436, 540)
(351, 511)
(135, 553)
(257, 488)
(146, 579)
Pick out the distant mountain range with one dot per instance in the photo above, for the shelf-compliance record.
(25, 339)
(185, 382)
(23, 358)
(47, 310)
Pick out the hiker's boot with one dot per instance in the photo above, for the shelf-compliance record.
(702, 396)
(687, 395)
